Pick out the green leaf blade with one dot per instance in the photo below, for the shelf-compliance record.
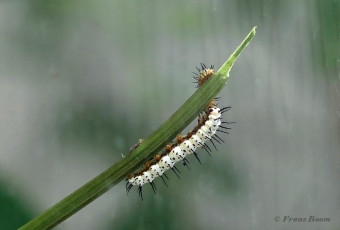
(154, 143)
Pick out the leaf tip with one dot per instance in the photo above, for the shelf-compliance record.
(253, 31)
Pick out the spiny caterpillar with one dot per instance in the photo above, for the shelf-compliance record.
(209, 122)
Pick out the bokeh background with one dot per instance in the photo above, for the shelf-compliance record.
(81, 81)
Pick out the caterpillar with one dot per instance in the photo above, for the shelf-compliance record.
(209, 122)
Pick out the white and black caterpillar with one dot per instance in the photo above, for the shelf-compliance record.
(209, 122)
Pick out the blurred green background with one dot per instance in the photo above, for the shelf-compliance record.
(81, 81)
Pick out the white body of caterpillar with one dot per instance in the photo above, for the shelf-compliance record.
(182, 150)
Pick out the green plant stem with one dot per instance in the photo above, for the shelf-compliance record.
(154, 143)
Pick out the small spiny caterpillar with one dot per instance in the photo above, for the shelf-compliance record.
(209, 122)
